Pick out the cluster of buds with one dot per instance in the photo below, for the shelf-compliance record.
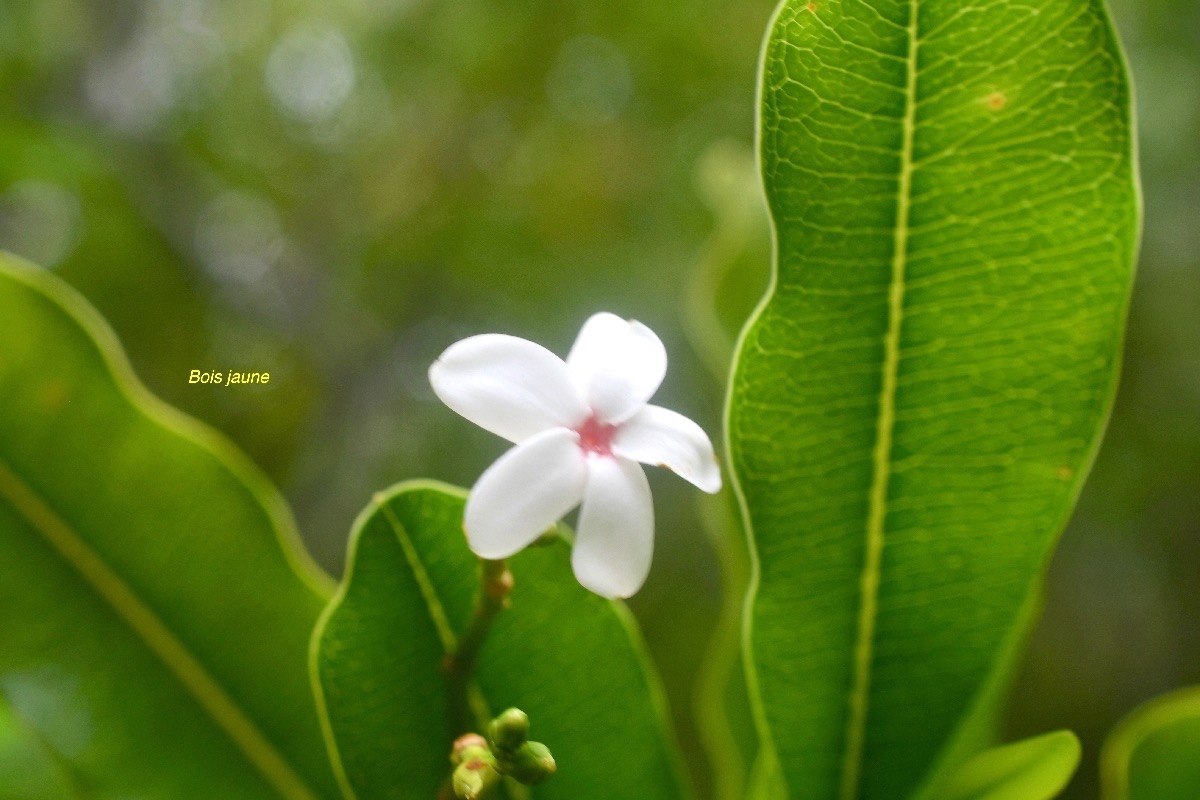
(480, 763)
(527, 762)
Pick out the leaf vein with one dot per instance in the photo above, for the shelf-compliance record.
(859, 700)
(155, 634)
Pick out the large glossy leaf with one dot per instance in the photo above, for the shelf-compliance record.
(916, 402)
(568, 658)
(1032, 769)
(154, 609)
(1154, 753)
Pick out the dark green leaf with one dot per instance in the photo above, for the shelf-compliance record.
(914, 407)
(154, 607)
(568, 658)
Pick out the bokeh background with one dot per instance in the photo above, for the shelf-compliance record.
(334, 192)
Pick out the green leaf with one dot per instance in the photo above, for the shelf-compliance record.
(568, 658)
(1152, 754)
(916, 403)
(27, 772)
(1032, 769)
(154, 607)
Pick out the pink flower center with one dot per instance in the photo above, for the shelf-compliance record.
(595, 437)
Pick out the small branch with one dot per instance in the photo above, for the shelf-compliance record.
(496, 584)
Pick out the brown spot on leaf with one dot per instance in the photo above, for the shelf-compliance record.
(1065, 473)
(811, 7)
(996, 101)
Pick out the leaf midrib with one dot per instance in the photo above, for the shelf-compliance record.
(433, 604)
(154, 633)
(859, 702)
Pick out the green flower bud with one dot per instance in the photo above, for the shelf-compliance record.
(497, 581)
(531, 764)
(508, 731)
(476, 774)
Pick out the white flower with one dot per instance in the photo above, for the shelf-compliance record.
(580, 428)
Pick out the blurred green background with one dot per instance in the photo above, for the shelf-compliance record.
(335, 192)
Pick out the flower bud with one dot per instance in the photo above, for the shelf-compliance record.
(475, 775)
(508, 731)
(497, 581)
(464, 743)
(531, 764)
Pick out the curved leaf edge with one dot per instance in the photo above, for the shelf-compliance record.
(995, 777)
(1125, 737)
(104, 346)
(658, 694)
(164, 415)
(766, 779)
(378, 502)
(314, 649)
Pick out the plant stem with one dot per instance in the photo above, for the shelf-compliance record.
(496, 584)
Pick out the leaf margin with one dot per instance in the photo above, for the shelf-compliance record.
(176, 658)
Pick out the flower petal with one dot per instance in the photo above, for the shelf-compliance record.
(507, 385)
(615, 540)
(527, 490)
(664, 438)
(618, 364)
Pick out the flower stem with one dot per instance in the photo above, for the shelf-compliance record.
(496, 584)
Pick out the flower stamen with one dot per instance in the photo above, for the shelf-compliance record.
(595, 437)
